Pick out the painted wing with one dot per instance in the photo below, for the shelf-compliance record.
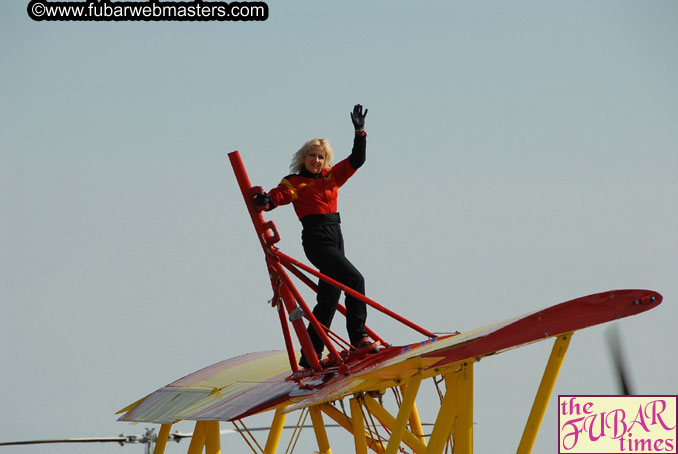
(256, 382)
(227, 390)
(431, 357)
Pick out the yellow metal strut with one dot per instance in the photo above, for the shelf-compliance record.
(541, 400)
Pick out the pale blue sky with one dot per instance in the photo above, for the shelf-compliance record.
(520, 154)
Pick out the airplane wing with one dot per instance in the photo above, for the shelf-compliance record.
(248, 384)
(238, 386)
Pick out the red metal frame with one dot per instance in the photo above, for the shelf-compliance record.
(286, 258)
(287, 298)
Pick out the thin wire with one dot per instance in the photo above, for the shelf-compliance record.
(375, 435)
(341, 342)
(343, 410)
(365, 411)
(396, 394)
(294, 431)
(297, 431)
(437, 383)
(253, 439)
(301, 428)
(240, 431)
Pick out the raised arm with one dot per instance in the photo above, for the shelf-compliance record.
(358, 153)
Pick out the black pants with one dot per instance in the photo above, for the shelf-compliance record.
(324, 247)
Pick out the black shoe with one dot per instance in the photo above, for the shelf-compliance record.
(366, 342)
(305, 365)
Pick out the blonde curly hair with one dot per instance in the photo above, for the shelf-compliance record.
(298, 158)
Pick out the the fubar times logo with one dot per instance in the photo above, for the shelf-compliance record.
(617, 424)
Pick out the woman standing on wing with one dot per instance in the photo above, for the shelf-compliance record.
(312, 189)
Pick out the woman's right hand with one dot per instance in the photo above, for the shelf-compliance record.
(261, 199)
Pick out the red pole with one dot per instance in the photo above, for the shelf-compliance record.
(342, 309)
(288, 338)
(311, 318)
(300, 329)
(268, 236)
(353, 293)
(266, 231)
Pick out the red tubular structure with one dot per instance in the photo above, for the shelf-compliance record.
(307, 311)
(287, 297)
(353, 293)
(342, 310)
(300, 329)
(266, 231)
(287, 337)
(268, 236)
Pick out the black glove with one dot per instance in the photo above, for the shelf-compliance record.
(358, 117)
(264, 201)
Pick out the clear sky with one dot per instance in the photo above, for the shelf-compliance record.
(520, 154)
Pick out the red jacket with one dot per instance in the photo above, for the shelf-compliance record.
(317, 194)
(313, 194)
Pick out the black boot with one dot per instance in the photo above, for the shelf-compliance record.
(303, 363)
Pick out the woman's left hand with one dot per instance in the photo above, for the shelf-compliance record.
(358, 117)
